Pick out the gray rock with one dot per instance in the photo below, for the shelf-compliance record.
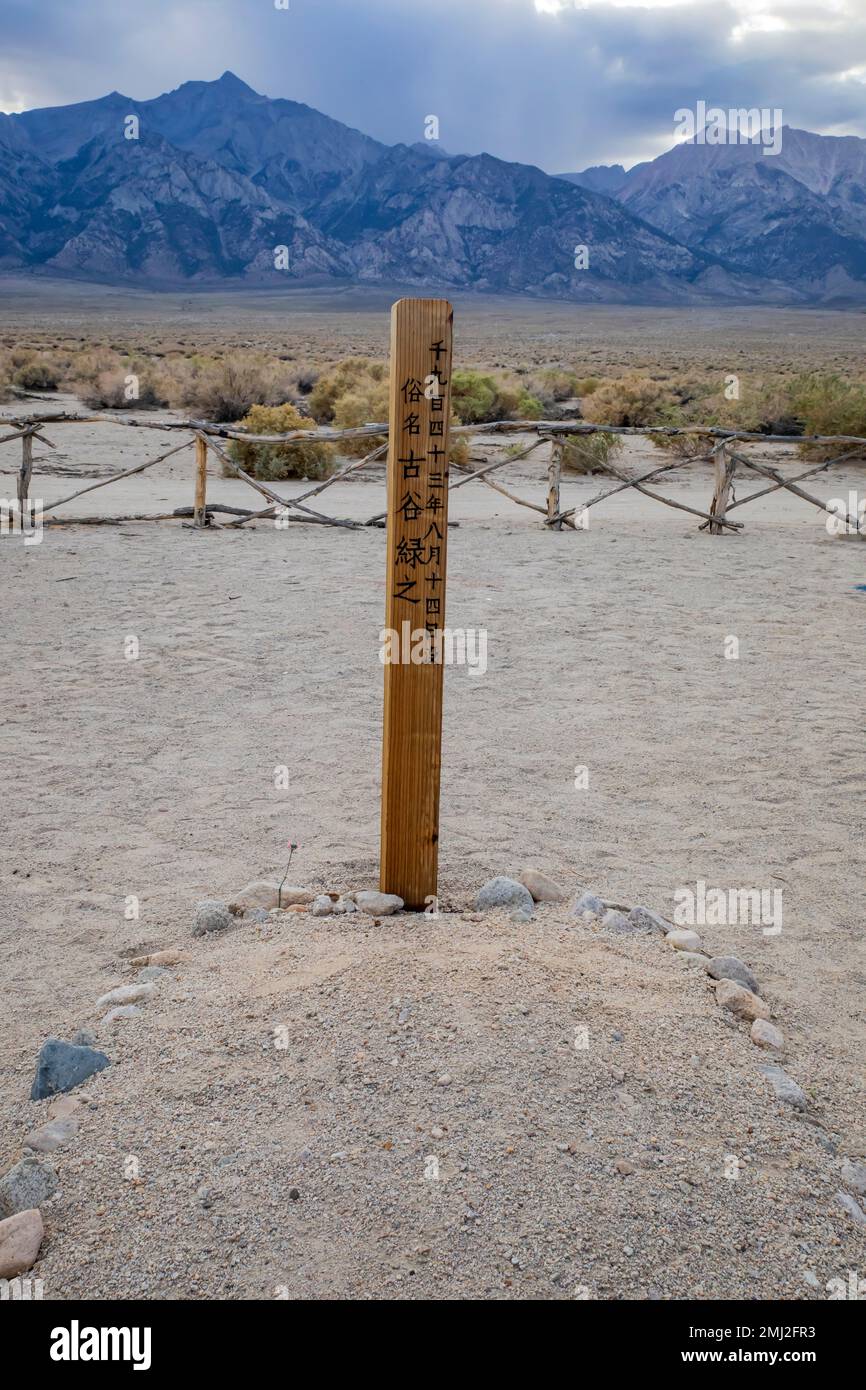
(852, 1206)
(542, 888)
(257, 914)
(124, 994)
(149, 973)
(210, 916)
(62, 1066)
(345, 905)
(503, 892)
(854, 1177)
(588, 902)
(785, 1088)
(618, 922)
(732, 968)
(30, 1183)
(322, 906)
(378, 904)
(646, 920)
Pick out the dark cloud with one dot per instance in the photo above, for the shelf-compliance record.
(595, 82)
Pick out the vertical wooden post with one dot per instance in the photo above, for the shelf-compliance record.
(554, 476)
(24, 475)
(725, 468)
(199, 514)
(419, 415)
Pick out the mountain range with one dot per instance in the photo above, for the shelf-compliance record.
(214, 184)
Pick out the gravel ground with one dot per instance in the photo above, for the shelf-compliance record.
(301, 1168)
(282, 1095)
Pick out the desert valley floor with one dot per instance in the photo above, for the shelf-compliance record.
(299, 1170)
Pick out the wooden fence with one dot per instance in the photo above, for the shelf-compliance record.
(204, 436)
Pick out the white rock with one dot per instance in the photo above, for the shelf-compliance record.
(377, 904)
(684, 940)
(323, 906)
(264, 893)
(125, 994)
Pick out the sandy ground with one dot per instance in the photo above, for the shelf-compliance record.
(155, 777)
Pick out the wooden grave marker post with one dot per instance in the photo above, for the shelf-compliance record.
(417, 537)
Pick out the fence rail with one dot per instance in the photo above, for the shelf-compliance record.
(205, 435)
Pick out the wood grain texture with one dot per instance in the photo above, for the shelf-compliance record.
(417, 536)
(199, 514)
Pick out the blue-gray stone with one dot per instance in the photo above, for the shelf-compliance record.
(503, 892)
(785, 1087)
(732, 968)
(588, 903)
(62, 1066)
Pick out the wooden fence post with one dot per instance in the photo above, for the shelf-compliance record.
(199, 512)
(725, 468)
(412, 651)
(24, 474)
(554, 476)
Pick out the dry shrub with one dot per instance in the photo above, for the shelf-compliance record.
(828, 403)
(364, 404)
(123, 389)
(36, 374)
(629, 401)
(274, 461)
(82, 369)
(355, 393)
(590, 453)
(357, 377)
(684, 446)
(225, 391)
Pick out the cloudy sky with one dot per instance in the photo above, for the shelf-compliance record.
(558, 83)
